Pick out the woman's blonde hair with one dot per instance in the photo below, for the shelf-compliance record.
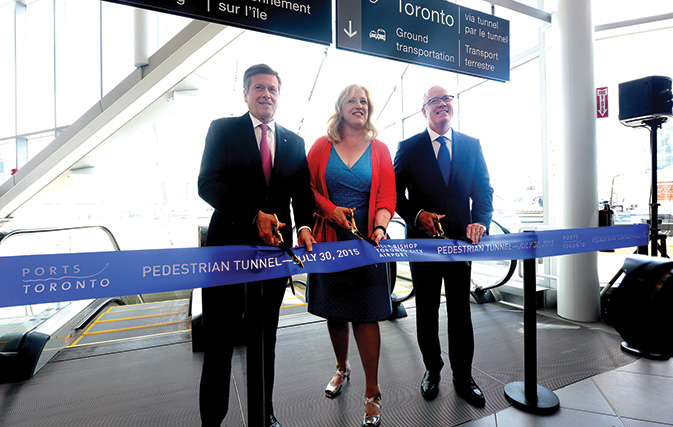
(336, 121)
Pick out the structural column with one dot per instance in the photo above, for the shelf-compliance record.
(142, 37)
(576, 193)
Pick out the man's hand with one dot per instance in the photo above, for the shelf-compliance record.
(306, 238)
(426, 222)
(266, 227)
(475, 232)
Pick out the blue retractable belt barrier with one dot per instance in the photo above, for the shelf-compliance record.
(37, 279)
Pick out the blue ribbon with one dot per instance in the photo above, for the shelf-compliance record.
(37, 279)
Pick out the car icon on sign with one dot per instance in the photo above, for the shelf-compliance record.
(378, 34)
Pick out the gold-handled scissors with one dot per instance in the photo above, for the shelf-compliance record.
(440, 231)
(284, 245)
(358, 233)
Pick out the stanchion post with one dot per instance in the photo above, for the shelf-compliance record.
(530, 330)
(254, 317)
(527, 395)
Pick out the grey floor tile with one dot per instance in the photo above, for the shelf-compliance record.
(662, 368)
(513, 417)
(484, 422)
(639, 396)
(639, 423)
(584, 396)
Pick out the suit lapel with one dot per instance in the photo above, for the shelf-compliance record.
(455, 156)
(281, 152)
(248, 140)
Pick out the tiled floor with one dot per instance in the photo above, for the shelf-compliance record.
(636, 395)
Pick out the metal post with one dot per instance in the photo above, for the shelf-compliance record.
(529, 330)
(528, 395)
(654, 205)
(258, 415)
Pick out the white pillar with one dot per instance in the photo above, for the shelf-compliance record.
(578, 285)
(141, 37)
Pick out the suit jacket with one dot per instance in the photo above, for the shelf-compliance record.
(231, 180)
(382, 190)
(468, 198)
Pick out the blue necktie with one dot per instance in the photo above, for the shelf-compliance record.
(444, 159)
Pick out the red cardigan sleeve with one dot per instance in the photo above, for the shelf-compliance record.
(318, 156)
(383, 182)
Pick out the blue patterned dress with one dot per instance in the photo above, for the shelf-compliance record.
(360, 294)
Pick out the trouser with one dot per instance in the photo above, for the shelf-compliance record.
(223, 313)
(427, 278)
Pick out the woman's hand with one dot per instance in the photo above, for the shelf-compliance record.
(378, 235)
(341, 217)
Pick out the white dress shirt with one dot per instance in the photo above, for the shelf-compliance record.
(435, 144)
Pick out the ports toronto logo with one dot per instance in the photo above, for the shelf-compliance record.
(63, 278)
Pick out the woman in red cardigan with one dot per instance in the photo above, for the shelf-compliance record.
(352, 176)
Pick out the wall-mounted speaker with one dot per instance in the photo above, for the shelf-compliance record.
(645, 99)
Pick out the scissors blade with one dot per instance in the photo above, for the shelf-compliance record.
(358, 233)
(361, 236)
(440, 234)
(294, 257)
(284, 245)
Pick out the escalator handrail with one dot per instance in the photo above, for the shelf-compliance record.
(510, 272)
(5, 236)
(479, 289)
(396, 300)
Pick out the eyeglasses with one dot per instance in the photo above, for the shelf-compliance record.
(434, 101)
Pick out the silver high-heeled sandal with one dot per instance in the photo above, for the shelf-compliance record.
(332, 391)
(372, 420)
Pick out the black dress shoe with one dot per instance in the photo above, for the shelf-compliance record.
(273, 422)
(470, 391)
(430, 385)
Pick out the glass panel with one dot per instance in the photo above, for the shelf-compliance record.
(514, 164)
(37, 142)
(73, 240)
(7, 159)
(35, 74)
(625, 153)
(607, 12)
(168, 26)
(78, 75)
(7, 76)
(117, 44)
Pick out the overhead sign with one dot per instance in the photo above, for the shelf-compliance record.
(309, 20)
(434, 33)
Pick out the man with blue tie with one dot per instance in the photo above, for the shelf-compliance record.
(443, 185)
(252, 171)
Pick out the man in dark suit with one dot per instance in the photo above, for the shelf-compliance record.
(441, 178)
(245, 195)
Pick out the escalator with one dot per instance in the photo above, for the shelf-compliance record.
(31, 336)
